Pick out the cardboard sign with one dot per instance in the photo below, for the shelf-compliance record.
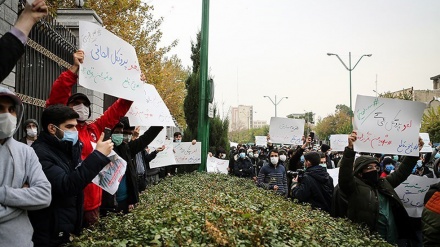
(260, 140)
(187, 153)
(426, 147)
(110, 64)
(159, 140)
(286, 130)
(388, 126)
(151, 110)
(412, 193)
(215, 165)
(164, 158)
(338, 142)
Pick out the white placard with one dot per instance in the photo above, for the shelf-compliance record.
(215, 165)
(286, 130)
(233, 144)
(164, 158)
(334, 173)
(388, 126)
(187, 153)
(412, 193)
(111, 175)
(426, 147)
(110, 64)
(151, 110)
(338, 142)
(260, 140)
(159, 140)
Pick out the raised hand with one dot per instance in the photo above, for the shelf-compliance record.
(104, 147)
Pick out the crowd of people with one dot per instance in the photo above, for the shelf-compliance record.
(47, 194)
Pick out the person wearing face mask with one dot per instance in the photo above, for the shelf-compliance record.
(372, 201)
(30, 127)
(88, 132)
(315, 186)
(127, 194)
(273, 176)
(221, 153)
(243, 166)
(59, 152)
(23, 185)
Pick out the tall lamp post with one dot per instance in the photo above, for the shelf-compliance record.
(275, 102)
(349, 68)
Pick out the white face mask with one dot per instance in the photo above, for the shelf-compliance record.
(8, 124)
(251, 155)
(283, 157)
(223, 156)
(255, 155)
(274, 160)
(83, 111)
(31, 132)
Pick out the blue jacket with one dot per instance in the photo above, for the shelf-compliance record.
(269, 176)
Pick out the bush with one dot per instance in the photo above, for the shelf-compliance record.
(201, 209)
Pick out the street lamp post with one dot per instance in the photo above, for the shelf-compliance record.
(349, 68)
(275, 103)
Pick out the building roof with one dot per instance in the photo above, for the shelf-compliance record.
(435, 77)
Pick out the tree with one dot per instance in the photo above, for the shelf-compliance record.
(404, 94)
(337, 123)
(133, 21)
(431, 124)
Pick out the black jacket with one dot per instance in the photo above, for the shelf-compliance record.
(243, 168)
(316, 188)
(68, 176)
(11, 49)
(128, 151)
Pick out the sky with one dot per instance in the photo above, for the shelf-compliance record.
(279, 48)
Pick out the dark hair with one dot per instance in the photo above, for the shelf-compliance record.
(313, 157)
(321, 155)
(57, 114)
(273, 151)
(176, 134)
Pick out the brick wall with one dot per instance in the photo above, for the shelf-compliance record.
(8, 16)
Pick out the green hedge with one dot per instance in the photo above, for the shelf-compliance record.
(201, 209)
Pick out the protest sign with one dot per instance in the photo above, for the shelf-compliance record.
(334, 173)
(110, 176)
(215, 165)
(260, 140)
(388, 126)
(159, 140)
(151, 110)
(286, 130)
(110, 64)
(412, 193)
(338, 142)
(187, 153)
(233, 144)
(426, 147)
(164, 158)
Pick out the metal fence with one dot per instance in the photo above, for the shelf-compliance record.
(48, 53)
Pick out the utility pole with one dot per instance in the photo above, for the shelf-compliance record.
(203, 125)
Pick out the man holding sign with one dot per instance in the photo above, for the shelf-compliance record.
(372, 200)
(88, 132)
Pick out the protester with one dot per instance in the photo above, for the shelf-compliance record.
(30, 127)
(431, 217)
(59, 152)
(243, 166)
(152, 174)
(23, 185)
(273, 176)
(315, 186)
(12, 43)
(435, 173)
(372, 200)
(88, 132)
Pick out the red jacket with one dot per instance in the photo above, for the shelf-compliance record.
(87, 133)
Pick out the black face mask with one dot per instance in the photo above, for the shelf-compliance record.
(371, 177)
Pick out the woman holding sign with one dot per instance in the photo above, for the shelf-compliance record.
(372, 200)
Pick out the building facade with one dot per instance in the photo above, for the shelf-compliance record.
(241, 118)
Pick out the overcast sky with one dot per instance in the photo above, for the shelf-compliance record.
(279, 47)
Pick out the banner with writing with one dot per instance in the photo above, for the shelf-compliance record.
(286, 130)
(388, 126)
(412, 193)
(334, 173)
(260, 140)
(187, 153)
(159, 140)
(233, 144)
(338, 142)
(164, 158)
(151, 110)
(110, 64)
(426, 147)
(215, 165)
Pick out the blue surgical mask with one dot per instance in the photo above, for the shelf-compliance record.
(437, 155)
(302, 159)
(242, 155)
(177, 140)
(323, 165)
(117, 139)
(69, 135)
(395, 157)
